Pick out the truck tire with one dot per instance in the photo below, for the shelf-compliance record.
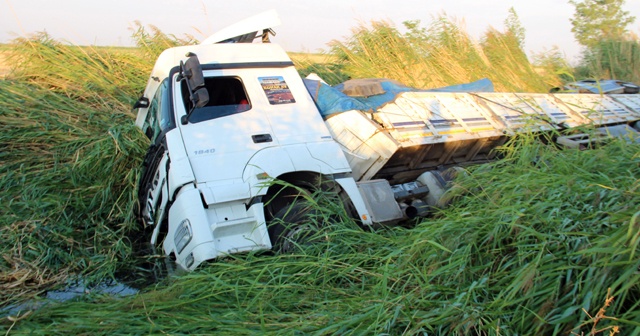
(293, 227)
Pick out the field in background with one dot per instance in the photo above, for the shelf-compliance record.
(297, 57)
(537, 242)
(312, 58)
(4, 67)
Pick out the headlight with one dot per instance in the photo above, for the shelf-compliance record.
(183, 235)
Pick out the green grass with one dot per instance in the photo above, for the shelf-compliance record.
(534, 239)
(534, 242)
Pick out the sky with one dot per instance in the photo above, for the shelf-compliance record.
(307, 26)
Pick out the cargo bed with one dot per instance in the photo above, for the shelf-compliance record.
(420, 131)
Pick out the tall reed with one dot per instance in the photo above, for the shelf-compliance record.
(439, 55)
(69, 161)
(612, 59)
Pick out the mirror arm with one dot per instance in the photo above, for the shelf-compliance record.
(143, 102)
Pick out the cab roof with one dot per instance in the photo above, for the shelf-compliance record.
(230, 47)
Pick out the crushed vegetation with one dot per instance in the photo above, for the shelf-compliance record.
(543, 241)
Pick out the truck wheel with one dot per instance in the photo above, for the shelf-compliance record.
(292, 227)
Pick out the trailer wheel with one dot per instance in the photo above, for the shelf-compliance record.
(293, 227)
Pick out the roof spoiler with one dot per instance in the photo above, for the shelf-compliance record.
(245, 31)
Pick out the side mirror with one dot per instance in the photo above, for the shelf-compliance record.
(143, 102)
(195, 81)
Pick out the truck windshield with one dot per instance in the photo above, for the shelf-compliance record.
(227, 96)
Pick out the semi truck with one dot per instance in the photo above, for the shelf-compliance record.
(238, 138)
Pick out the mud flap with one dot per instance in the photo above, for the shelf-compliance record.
(350, 187)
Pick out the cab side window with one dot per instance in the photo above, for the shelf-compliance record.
(159, 116)
(149, 127)
(165, 115)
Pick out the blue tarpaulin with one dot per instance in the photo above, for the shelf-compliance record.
(331, 100)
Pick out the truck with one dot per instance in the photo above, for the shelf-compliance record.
(238, 138)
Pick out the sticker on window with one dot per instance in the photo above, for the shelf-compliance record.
(277, 90)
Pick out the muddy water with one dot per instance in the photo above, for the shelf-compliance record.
(147, 270)
(73, 290)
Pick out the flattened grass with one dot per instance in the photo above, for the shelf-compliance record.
(68, 162)
(67, 177)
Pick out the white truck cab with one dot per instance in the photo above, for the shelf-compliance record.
(225, 120)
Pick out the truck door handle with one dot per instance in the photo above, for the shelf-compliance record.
(260, 138)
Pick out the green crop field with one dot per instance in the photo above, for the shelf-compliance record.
(542, 241)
